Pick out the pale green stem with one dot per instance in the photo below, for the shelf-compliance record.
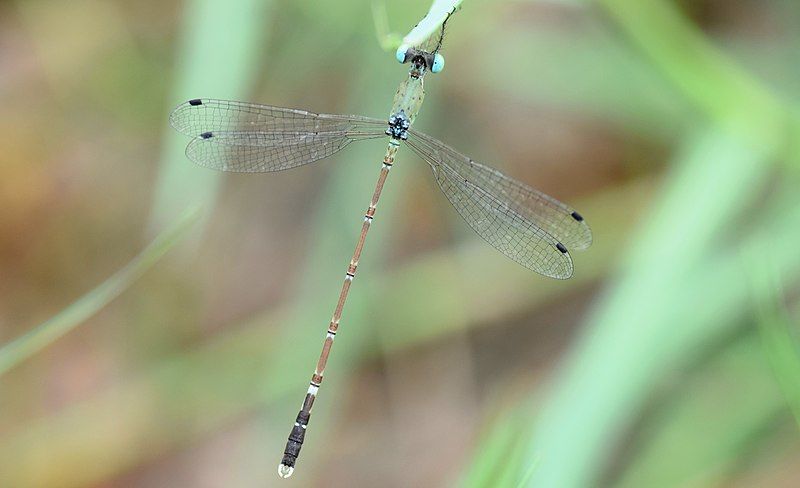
(33, 341)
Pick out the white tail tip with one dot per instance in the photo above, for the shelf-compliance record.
(285, 471)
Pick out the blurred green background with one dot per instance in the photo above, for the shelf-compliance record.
(669, 360)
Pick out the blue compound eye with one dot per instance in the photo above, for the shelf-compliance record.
(401, 53)
(438, 63)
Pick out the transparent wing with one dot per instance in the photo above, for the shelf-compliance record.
(202, 115)
(526, 225)
(554, 217)
(246, 137)
(260, 152)
(503, 228)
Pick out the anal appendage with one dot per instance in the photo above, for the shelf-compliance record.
(285, 471)
(295, 441)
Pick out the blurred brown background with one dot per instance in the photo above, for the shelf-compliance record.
(670, 359)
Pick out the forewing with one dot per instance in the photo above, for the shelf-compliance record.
(245, 137)
(203, 115)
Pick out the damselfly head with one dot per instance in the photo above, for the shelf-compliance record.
(421, 61)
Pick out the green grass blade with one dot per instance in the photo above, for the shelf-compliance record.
(49, 331)
(778, 334)
(220, 49)
(688, 440)
(729, 95)
(387, 39)
(677, 288)
(648, 310)
(498, 459)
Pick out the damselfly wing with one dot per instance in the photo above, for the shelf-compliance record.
(530, 227)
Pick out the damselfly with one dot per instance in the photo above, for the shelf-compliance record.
(535, 230)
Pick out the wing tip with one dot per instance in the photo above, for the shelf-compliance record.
(567, 274)
(181, 125)
(569, 268)
(584, 239)
(560, 269)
